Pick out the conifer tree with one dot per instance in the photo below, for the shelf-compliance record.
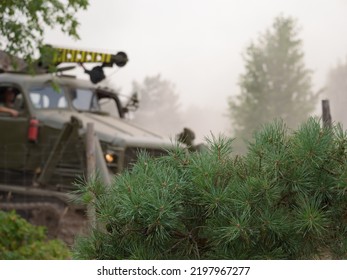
(276, 83)
(159, 108)
(284, 199)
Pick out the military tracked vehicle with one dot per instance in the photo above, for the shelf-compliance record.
(43, 145)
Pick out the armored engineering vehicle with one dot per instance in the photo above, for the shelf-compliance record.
(42, 150)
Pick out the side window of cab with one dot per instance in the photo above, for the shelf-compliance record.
(12, 103)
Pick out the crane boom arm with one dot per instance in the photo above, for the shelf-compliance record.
(61, 55)
(55, 55)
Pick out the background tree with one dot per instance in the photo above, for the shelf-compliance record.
(159, 106)
(336, 91)
(204, 120)
(23, 23)
(276, 83)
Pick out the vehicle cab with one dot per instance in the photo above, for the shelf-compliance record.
(46, 104)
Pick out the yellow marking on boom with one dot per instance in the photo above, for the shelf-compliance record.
(72, 55)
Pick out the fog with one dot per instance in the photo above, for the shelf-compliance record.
(198, 45)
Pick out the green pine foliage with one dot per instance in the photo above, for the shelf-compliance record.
(20, 240)
(284, 199)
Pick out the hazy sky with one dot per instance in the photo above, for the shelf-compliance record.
(197, 44)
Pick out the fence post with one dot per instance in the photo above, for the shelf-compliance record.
(90, 150)
(91, 169)
(326, 114)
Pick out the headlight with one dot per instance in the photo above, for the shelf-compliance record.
(114, 158)
(110, 158)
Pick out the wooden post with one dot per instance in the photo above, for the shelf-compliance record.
(95, 165)
(90, 150)
(326, 114)
(91, 168)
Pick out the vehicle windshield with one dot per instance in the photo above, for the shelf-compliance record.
(47, 97)
(84, 99)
